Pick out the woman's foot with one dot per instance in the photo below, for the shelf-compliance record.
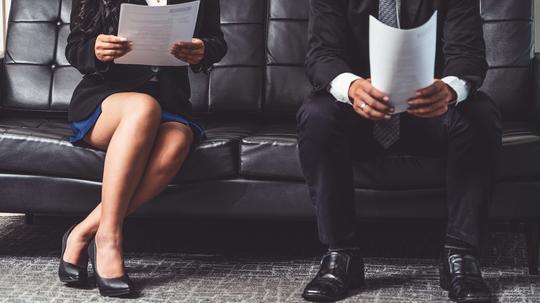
(109, 271)
(75, 273)
(76, 248)
(109, 256)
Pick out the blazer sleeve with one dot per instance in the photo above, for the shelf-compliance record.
(464, 48)
(212, 36)
(327, 42)
(80, 51)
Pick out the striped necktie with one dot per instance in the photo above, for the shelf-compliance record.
(387, 132)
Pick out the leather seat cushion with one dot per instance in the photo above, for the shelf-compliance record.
(41, 147)
(272, 153)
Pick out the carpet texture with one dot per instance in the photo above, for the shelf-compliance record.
(248, 263)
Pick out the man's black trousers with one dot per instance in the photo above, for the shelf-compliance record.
(332, 136)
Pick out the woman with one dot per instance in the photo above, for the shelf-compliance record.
(140, 116)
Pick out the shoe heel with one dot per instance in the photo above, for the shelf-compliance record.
(71, 274)
(116, 287)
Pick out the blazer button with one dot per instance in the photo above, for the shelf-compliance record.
(155, 69)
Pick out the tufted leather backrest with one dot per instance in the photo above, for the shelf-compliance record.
(509, 36)
(263, 70)
(37, 76)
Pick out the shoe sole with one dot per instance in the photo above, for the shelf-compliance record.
(118, 293)
(318, 298)
(356, 284)
(477, 300)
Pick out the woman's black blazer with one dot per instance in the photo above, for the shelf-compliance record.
(100, 79)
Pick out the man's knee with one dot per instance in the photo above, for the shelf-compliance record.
(483, 119)
(318, 113)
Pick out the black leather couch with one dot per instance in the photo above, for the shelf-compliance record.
(248, 167)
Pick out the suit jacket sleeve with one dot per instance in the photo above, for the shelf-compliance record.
(327, 42)
(80, 51)
(464, 47)
(211, 34)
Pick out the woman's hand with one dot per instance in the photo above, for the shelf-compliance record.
(190, 52)
(109, 47)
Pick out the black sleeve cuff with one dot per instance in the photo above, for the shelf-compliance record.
(205, 65)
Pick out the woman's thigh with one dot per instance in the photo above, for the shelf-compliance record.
(113, 109)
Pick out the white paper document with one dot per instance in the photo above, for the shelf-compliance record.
(402, 60)
(153, 29)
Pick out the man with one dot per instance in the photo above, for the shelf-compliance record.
(347, 119)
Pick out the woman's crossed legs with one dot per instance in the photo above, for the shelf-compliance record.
(143, 156)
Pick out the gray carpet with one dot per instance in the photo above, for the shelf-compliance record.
(247, 263)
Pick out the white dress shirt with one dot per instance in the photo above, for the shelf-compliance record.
(156, 3)
(339, 87)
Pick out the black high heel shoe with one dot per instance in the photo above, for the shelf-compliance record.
(115, 287)
(70, 273)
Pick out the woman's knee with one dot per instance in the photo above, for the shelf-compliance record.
(143, 109)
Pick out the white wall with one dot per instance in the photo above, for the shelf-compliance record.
(4, 7)
(2, 25)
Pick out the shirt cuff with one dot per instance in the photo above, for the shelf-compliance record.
(339, 87)
(461, 87)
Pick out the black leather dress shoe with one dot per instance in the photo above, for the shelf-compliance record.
(340, 272)
(68, 273)
(460, 275)
(115, 287)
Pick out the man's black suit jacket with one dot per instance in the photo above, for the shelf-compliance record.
(339, 38)
(103, 79)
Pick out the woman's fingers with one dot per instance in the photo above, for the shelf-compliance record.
(111, 39)
(107, 58)
(110, 47)
(193, 58)
(194, 44)
(190, 52)
(120, 46)
(113, 52)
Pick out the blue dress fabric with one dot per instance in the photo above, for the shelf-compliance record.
(81, 128)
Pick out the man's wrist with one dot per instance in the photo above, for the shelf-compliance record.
(460, 87)
(351, 90)
(453, 101)
(340, 86)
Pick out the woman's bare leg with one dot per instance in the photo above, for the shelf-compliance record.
(126, 129)
(170, 149)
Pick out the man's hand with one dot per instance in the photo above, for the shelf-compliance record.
(190, 52)
(432, 101)
(109, 47)
(369, 102)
